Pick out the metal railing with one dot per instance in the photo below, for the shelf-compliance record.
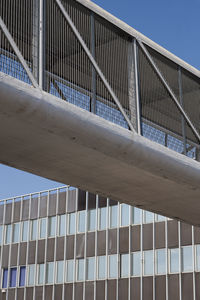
(64, 48)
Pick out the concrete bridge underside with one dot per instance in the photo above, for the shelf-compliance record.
(49, 137)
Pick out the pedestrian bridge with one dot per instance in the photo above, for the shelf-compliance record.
(88, 101)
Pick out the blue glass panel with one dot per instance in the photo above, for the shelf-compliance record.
(22, 276)
(71, 94)
(111, 114)
(13, 68)
(5, 278)
(13, 277)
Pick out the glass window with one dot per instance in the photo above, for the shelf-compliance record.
(25, 226)
(16, 232)
(80, 269)
(148, 262)
(70, 270)
(113, 216)
(60, 272)
(113, 269)
(102, 218)
(160, 218)
(124, 215)
(43, 228)
(101, 267)
(90, 268)
(50, 272)
(72, 223)
(52, 226)
(92, 219)
(1, 235)
(5, 279)
(174, 260)
(187, 258)
(161, 261)
(22, 276)
(197, 257)
(34, 230)
(81, 221)
(8, 234)
(148, 217)
(125, 265)
(41, 274)
(31, 275)
(136, 264)
(62, 225)
(136, 215)
(13, 277)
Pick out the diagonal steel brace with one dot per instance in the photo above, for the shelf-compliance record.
(18, 53)
(171, 93)
(94, 63)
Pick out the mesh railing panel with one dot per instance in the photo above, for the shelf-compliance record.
(112, 55)
(81, 17)
(168, 69)
(106, 107)
(9, 63)
(159, 112)
(68, 70)
(69, 73)
(191, 97)
(21, 20)
(177, 78)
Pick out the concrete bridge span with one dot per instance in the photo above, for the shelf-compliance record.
(49, 137)
(88, 101)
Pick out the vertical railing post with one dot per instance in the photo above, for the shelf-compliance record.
(41, 43)
(131, 85)
(182, 118)
(197, 154)
(93, 98)
(139, 127)
(35, 39)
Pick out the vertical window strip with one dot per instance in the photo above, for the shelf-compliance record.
(52, 226)
(25, 226)
(22, 276)
(43, 227)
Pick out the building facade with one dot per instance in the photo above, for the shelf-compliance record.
(70, 244)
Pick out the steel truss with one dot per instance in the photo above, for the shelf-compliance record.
(39, 82)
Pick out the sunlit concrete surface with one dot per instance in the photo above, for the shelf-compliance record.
(49, 137)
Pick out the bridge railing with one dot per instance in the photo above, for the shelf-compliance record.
(66, 49)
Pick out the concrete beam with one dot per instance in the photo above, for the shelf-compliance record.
(49, 137)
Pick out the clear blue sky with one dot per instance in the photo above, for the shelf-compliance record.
(174, 24)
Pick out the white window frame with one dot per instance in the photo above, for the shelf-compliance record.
(98, 267)
(11, 230)
(121, 206)
(109, 256)
(182, 248)
(131, 261)
(66, 272)
(49, 227)
(19, 233)
(68, 223)
(143, 257)
(58, 227)
(169, 260)
(77, 262)
(46, 273)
